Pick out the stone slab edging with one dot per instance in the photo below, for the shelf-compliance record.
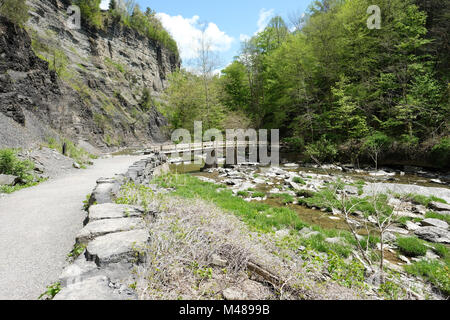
(114, 237)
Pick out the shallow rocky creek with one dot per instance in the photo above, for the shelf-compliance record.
(263, 184)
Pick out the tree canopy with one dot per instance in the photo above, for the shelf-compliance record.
(330, 79)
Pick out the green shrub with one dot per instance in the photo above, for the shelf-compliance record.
(15, 10)
(146, 102)
(442, 251)
(258, 194)
(147, 24)
(322, 150)
(295, 143)
(79, 155)
(305, 193)
(441, 152)
(348, 274)
(435, 215)
(10, 164)
(375, 144)
(390, 290)
(412, 247)
(285, 198)
(299, 180)
(242, 194)
(90, 12)
(420, 199)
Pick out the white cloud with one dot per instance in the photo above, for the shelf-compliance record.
(104, 4)
(264, 18)
(244, 37)
(187, 33)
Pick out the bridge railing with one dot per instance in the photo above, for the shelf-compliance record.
(168, 148)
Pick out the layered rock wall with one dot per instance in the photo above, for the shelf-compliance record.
(96, 89)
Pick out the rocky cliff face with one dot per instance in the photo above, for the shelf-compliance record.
(96, 90)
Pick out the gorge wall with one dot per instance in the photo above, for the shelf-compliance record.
(85, 85)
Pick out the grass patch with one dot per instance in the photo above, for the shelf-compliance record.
(17, 187)
(420, 199)
(435, 215)
(258, 194)
(434, 271)
(259, 217)
(10, 164)
(412, 247)
(299, 180)
(284, 197)
(78, 154)
(118, 66)
(442, 251)
(244, 194)
(328, 200)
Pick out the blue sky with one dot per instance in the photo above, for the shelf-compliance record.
(227, 22)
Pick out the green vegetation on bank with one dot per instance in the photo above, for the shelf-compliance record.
(79, 155)
(435, 271)
(10, 164)
(130, 15)
(15, 10)
(412, 246)
(420, 199)
(17, 187)
(260, 217)
(263, 218)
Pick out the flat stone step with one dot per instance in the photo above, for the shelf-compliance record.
(118, 247)
(101, 227)
(113, 211)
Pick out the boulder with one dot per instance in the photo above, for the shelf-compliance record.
(282, 233)
(234, 293)
(255, 290)
(390, 237)
(437, 206)
(435, 223)
(382, 173)
(411, 226)
(431, 255)
(339, 241)
(101, 227)
(218, 261)
(294, 185)
(433, 234)
(307, 233)
(118, 247)
(259, 181)
(398, 230)
(352, 190)
(8, 180)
